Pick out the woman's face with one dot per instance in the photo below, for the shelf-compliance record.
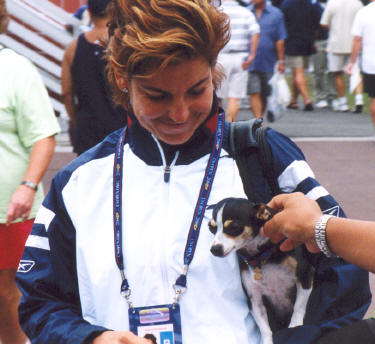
(175, 102)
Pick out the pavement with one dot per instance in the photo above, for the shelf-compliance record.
(340, 148)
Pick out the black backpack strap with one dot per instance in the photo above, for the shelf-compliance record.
(242, 136)
(250, 148)
(266, 159)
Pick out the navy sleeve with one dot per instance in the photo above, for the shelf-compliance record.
(341, 293)
(50, 310)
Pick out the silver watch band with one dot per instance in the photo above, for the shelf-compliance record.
(320, 235)
(30, 184)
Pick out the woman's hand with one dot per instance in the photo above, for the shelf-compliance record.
(20, 204)
(295, 221)
(120, 337)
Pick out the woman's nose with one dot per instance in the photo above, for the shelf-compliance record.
(179, 111)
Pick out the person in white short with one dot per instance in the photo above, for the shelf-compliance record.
(363, 31)
(235, 57)
(338, 17)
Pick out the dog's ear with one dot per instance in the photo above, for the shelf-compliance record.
(211, 206)
(263, 212)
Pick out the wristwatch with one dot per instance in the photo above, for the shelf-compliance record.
(30, 184)
(320, 235)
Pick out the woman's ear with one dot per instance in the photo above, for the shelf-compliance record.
(121, 82)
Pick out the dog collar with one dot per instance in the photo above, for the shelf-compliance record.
(260, 259)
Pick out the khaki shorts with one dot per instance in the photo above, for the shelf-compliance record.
(297, 61)
(337, 62)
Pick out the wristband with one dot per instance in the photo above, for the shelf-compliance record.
(282, 61)
(30, 184)
(320, 235)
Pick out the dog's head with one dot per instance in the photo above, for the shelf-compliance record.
(236, 223)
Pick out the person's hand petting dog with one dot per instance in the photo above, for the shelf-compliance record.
(353, 240)
(294, 221)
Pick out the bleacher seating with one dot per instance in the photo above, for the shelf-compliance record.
(37, 31)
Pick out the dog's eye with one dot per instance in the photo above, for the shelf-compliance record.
(233, 230)
(212, 228)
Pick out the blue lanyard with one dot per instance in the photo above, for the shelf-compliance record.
(198, 213)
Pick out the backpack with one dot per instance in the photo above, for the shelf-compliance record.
(249, 147)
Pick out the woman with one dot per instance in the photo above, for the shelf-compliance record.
(27, 128)
(87, 95)
(120, 226)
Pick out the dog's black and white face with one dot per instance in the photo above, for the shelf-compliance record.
(236, 223)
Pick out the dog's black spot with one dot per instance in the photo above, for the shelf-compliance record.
(305, 270)
(279, 318)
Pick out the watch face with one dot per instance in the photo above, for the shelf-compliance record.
(30, 184)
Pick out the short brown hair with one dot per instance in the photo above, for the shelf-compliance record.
(146, 36)
(4, 17)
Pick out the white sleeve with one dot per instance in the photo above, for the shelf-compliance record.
(326, 15)
(357, 27)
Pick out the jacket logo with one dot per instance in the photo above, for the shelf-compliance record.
(335, 211)
(25, 266)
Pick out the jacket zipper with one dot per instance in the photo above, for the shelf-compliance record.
(167, 168)
(167, 172)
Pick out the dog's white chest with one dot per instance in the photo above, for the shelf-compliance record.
(271, 280)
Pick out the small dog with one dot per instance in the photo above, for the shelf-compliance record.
(278, 284)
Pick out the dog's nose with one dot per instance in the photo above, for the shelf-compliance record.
(217, 250)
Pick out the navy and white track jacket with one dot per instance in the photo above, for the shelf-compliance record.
(71, 283)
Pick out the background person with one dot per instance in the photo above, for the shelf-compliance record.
(127, 212)
(235, 57)
(363, 31)
(338, 17)
(27, 128)
(324, 87)
(270, 52)
(301, 23)
(86, 93)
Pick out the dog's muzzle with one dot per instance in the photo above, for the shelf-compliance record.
(217, 250)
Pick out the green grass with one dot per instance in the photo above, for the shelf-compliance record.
(349, 96)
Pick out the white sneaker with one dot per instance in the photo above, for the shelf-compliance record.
(321, 104)
(335, 105)
(343, 107)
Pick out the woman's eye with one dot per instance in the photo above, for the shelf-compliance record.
(156, 96)
(197, 92)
